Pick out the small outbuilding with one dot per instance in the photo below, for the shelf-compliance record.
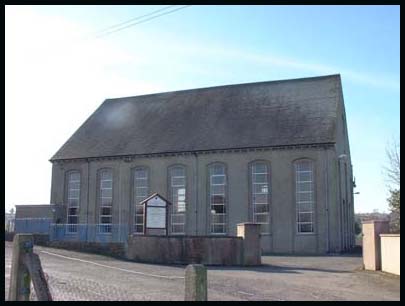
(37, 218)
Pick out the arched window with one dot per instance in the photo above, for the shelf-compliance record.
(141, 192)
(304, 195)
(260, 197)
(105, 200)
(177, 193)
(73, 200)
(217, 198)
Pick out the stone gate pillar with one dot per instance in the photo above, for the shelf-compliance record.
(371, 243)
(250, 232)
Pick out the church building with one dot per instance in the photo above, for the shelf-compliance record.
(274, 153)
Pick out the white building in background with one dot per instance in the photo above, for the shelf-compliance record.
(9, 219)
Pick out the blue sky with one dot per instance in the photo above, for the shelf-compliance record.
(66, 72)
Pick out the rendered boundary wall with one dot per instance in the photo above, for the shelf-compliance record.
(390, 253)
(206, 250)
(381, 250)
(114, 249)
(371, 243)
(166, 250)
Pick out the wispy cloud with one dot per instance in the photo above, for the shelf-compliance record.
(55, 80)
(272, 60)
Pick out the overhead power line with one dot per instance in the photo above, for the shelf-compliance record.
(142, 21)
(132, 19)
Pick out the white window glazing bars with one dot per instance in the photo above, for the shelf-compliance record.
(260, 196)
(218, 199)
(178, 199)
(304, 185)
(106, 190)
(73, 199)
(141, 189)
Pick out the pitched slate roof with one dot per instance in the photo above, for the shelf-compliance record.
(275, 113)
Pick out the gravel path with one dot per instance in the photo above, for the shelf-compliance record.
(82, 276)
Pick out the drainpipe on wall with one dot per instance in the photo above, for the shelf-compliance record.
(119, 211)
(327, 201)
(88, 199)
(341, 229)
(196, 192)
(342, 158)
(340, 208)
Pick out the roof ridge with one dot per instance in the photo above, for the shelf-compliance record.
(228, 85)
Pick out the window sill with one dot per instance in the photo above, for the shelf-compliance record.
(305, 234)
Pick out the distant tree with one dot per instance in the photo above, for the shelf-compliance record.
(394, 201)
(392, 169)
(11, 211)
(357, 226)
(393, 176)
(394, 204)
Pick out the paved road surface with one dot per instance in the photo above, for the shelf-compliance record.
(81, 276)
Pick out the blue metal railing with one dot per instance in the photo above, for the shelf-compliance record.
(32, 225)
(76, 232)
(89, 232)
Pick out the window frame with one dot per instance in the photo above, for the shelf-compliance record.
(225, 204)
(313, 201)
(70, 228)
(100, 206)
(170, 188)
(134, 197)
(251, 207)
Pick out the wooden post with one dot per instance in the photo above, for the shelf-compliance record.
(196, 283)
(20, 279)
(25, 266)
(33, 263)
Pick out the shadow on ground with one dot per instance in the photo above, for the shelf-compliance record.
(266, 268)
(288, 263)
(356, 251)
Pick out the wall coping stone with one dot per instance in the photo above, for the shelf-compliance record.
(374, 221)
(187, 236)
